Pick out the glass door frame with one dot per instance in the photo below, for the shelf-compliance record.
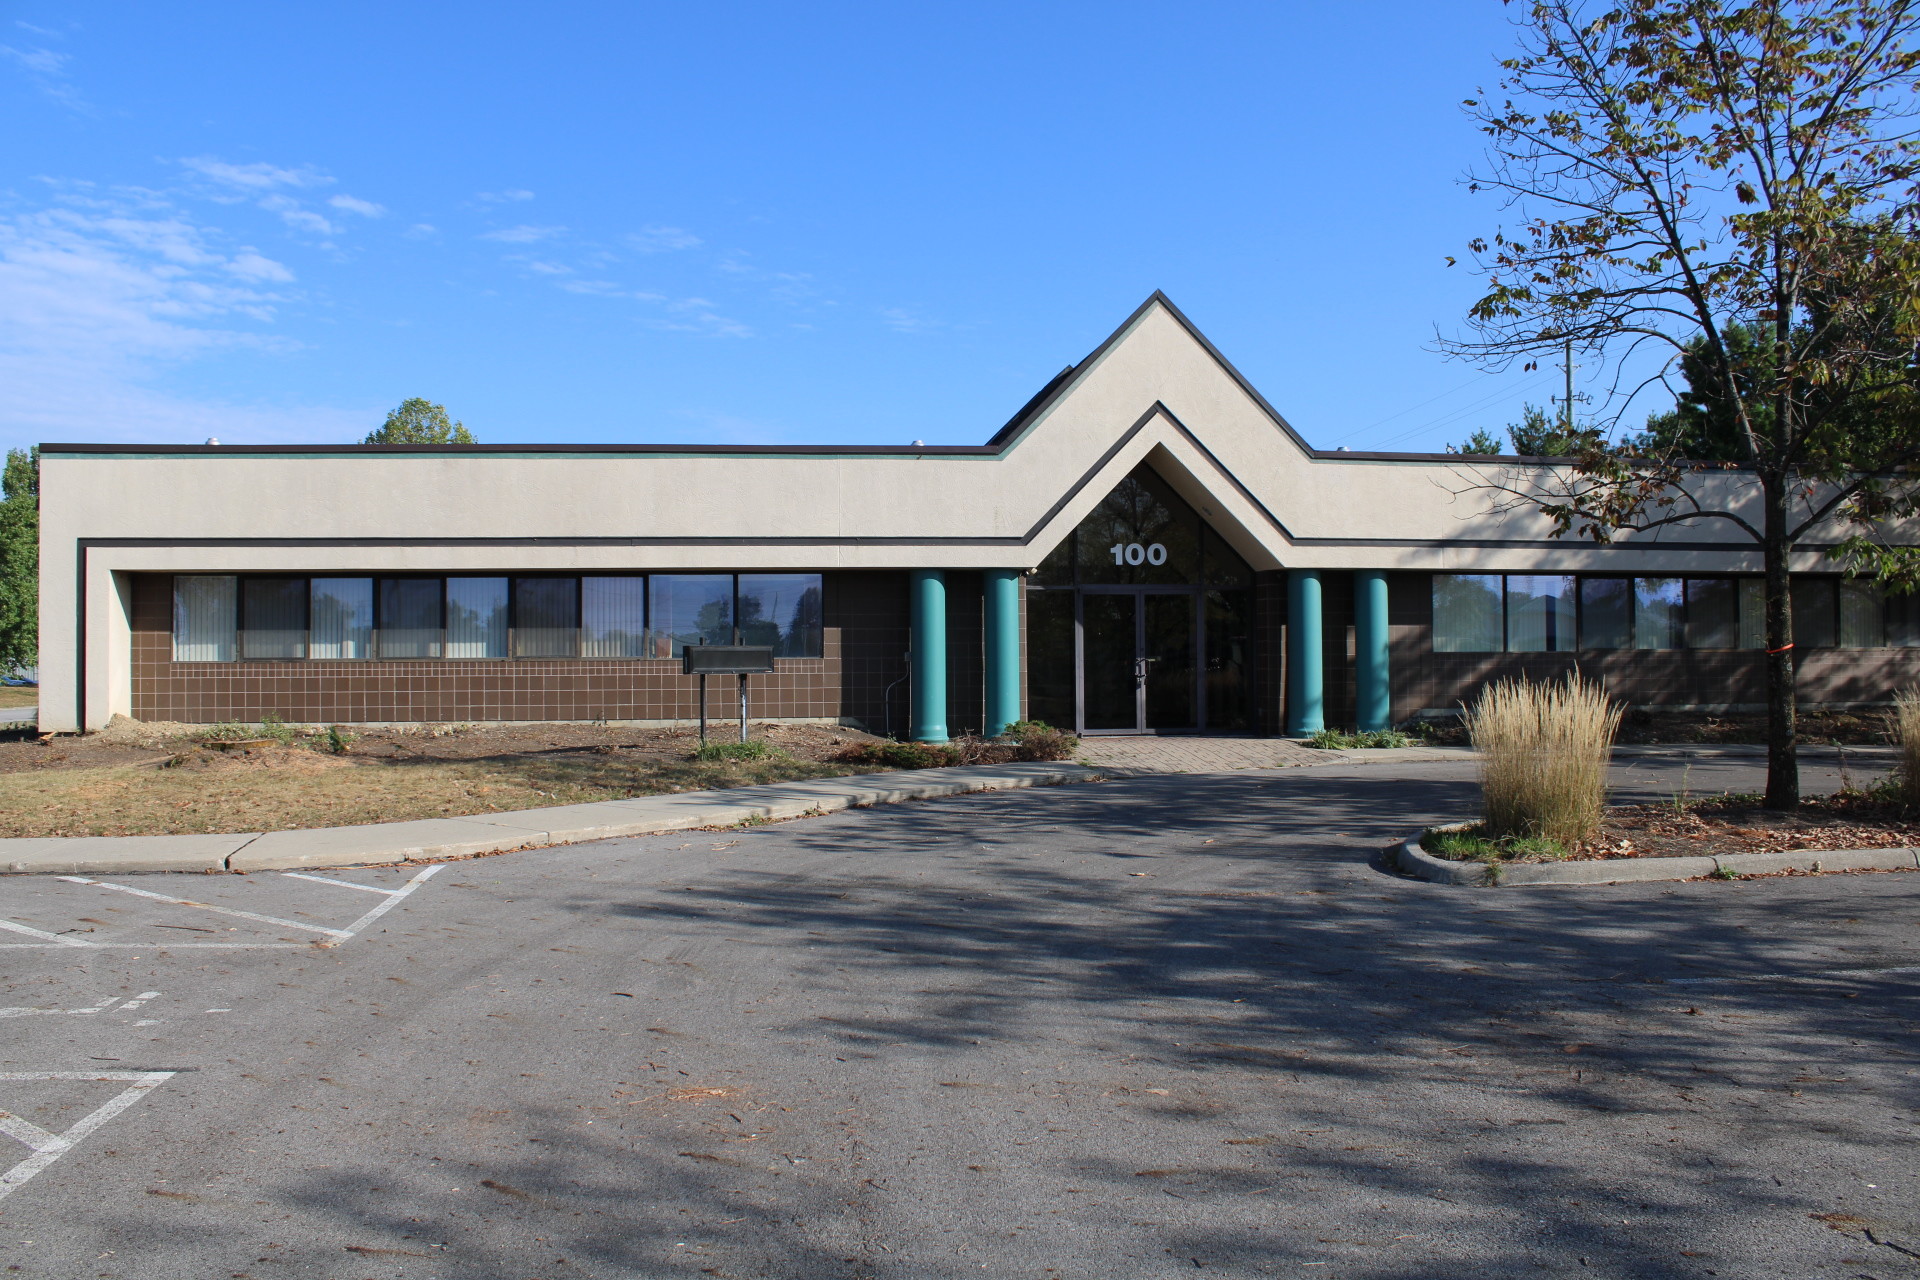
(1198, 640)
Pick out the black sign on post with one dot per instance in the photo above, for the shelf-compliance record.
(741, 660)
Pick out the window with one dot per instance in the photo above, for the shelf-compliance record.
(205, 619)
(1863, 615)
(783, 610)
(476, 617)
(1713, 614)
(1658, 607)
(613, 617)
(1540, 614)
(1903, 620)
(689, 609)
(273, 617)
(340, 613)
(546, 617)
(1813, 613)
(1466, 613)
(410, 617)
(1753, 613)
(1606, 613)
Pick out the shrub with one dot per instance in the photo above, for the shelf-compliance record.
(1335, 740)
(1906, 730)
(230, 731)
(1038, 740)
(336, 740)
(903, 755)
(1544, 752)
(1473, 844)
(751, 749)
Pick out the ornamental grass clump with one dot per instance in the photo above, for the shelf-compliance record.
(1544, 749)
(1906, 726)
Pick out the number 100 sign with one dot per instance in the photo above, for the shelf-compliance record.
(1134, 553)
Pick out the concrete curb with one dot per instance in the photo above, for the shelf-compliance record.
(431, 838)
(1415, 861)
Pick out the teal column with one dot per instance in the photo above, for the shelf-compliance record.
(1306, 689)
(927, 719)
(1003, 649)
(1373, 687)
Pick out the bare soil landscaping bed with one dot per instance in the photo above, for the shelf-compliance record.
(136, 778)
(1726, 824)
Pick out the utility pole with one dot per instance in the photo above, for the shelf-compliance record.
(1568, 363)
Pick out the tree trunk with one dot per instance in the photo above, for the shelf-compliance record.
(1783, 763)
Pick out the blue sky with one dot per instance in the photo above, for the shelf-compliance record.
(726, 223)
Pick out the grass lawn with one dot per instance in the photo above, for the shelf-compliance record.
(17, 695)
(283, 788)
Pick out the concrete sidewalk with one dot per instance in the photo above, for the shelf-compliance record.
(519, 829)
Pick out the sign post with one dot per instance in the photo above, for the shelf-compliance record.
(741, 660)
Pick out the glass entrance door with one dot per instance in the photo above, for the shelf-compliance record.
(1138, 673)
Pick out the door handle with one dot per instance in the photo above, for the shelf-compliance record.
(1140, 668)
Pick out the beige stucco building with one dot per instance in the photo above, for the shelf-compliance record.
(1146, 547)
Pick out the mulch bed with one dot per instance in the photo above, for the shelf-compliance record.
(1735, 824)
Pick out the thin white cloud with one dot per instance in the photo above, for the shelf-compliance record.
(523, 234)
(298, 216)
(353, 204)
(47, 70)
(99, 298)
(503, 197)
(259, 176)
(421, 230)
(663, 239)
(902, 320)
(42, 62)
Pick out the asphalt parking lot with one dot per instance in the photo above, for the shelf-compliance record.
(1151, 1027)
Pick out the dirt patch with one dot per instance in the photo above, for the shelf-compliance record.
(149, 779)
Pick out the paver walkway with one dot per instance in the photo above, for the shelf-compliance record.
(1225, 755)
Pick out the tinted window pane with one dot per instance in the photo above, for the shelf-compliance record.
(1753, 613)
(1229, 651)
(1658, 607)
(1540, 614)
(1862, 615)
(1713, 614)
(409, 618)
(476, 617)
(273, 617)
(1813, 610)
(340, 616)
(613, 617)
(546, 613)
(204, 619)
(689, 609)
(1140, 522)
(783, 610)
(1220, 563)
(1606, 613)
(1050, 691)
(1903, 620)
(1466, 613)
(1057, 569)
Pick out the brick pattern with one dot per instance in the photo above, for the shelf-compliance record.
(862, 651)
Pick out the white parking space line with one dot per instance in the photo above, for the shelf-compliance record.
(42, 933)
(208, 906)
(394, 898)
(344, 884)
(128, 1007)
(330, 937)
(48, 1146)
